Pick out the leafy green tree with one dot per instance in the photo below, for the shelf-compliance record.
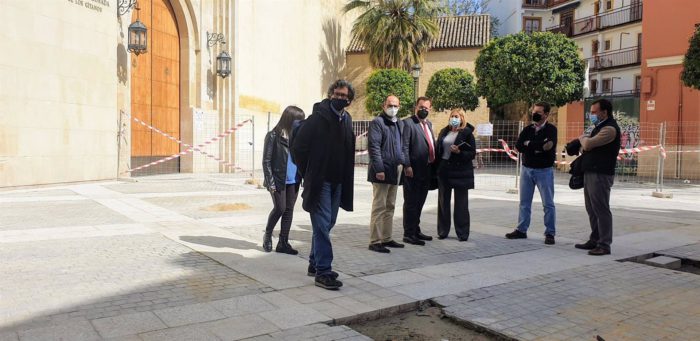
(691, 62)
(452, 88)
(384, 82)
(395, 33)
(541, 66)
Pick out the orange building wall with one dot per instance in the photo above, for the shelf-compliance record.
(667, 29)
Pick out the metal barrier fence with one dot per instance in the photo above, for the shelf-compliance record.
(652, 155)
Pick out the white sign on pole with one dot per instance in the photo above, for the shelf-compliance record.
(484, 129)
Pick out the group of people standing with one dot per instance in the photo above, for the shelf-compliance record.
(320, 152)
(405, 152)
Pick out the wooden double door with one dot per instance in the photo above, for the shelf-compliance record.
(155, 89)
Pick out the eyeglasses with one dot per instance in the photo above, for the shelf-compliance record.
(392, 106)
(340, 95)
(422, 107)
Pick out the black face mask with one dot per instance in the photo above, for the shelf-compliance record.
(339, 103)
(422, 114)
(537, 117)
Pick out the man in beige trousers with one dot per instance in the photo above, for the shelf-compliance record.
(384, 172)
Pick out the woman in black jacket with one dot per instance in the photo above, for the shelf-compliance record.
(281, 179)
(455, 152)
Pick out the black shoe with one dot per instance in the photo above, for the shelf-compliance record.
(283, 246)
(442, 237)
(378, 248)
(463, 239)
(267, 242)
(413, 241)
(516, 235)
(328, 282)
(393, 243)
(421, 236)
(311, 272)
(549, 239)
(599, 252)
(589, 245)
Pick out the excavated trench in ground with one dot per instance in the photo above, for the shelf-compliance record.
(427, 322)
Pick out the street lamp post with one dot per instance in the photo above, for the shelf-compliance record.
(416, 74)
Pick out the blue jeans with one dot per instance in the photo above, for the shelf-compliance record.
(543, 178)
(322, 221)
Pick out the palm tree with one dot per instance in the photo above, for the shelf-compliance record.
(395, 33)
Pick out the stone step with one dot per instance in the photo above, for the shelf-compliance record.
(664, 262)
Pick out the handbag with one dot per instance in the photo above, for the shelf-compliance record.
(576, 180)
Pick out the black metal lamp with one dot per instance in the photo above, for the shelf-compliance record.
(138, 38)
(223, 64)
(416, 74)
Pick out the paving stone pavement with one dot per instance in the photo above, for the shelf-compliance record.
(616, 300)
(687, 252)
(144, 260)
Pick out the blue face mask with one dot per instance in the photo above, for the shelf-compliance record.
(455, 122)
(594, 118)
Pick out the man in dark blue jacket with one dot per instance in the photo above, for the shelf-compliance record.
(384, 172)
(324, 151)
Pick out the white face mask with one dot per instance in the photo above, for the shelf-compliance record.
(391, 112)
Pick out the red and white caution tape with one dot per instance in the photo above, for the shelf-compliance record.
(189, 147)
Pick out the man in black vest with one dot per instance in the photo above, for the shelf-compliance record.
(600, 151)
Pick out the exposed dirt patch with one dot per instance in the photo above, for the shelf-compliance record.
(227, 207)
(428, 324)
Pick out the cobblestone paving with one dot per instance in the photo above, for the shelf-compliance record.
(42, 193)
(618, 301)
(174, 186)
(30, 215)
(196, 207)
(352, 257)
(569, 219)
(690, 252)
(102, 277)
(316, 332)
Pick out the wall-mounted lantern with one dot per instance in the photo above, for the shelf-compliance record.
(138, 33)
(223, 64)
(138, 38)
(223, 60)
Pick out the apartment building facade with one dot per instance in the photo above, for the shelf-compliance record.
(607, 32)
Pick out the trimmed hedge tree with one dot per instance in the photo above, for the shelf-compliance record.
(691, 62)
(541, 66)
(452, 88)
(384, 82)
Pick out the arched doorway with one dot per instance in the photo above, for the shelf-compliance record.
(155, 90)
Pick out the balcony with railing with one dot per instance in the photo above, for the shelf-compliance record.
(620, 16)
(615, 59)
(543, 4)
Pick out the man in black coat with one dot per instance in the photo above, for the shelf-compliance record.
(419, 156)
(324, 151)
(384, 172)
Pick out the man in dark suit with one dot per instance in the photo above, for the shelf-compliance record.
(419, 156)
(324, 151)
